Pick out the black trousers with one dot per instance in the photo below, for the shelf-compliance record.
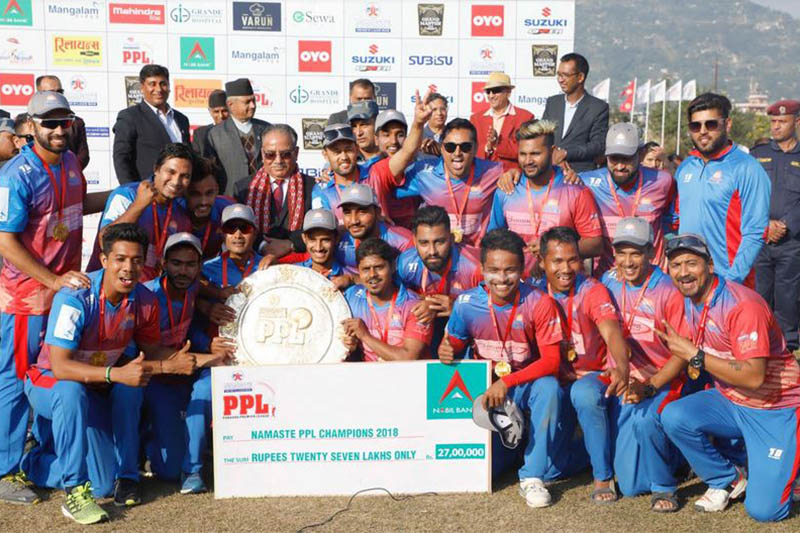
(778, 282)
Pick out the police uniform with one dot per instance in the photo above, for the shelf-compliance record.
(778, 264)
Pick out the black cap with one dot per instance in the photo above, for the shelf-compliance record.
(217, 98)
(240, 87)
(688, 242)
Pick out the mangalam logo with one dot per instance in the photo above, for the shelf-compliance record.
(194, 93)
(77, 50)
(136, 13)
(487, 21)
(245, 399)
(451, 389)
(16, 89)
(314, 56)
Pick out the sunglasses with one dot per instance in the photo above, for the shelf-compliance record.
(232, 227)
(334, 135)
(285, 154)
(495, 90)
(54, 123)
(28, 138)
(451, 147)
(711, 125)
(686, 242)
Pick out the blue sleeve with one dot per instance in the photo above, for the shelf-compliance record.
(456, 326)
(410, 186)
(318, 199)
(754, 190)
(15, 202)
(118, 202)
(66, 321)
(497, 219)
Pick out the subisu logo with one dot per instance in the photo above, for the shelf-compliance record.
(479, 101)
(314, 56)
(136, 14)
(16, 89)
(487, 21)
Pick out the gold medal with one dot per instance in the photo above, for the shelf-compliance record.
(502, 368)
(458, 234)
(572, 355)
(60, 232)
(98, 359)
(693, 372)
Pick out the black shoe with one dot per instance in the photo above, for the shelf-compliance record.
(126, 493)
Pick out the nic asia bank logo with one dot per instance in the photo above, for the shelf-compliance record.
(451, 389)
(487, 21)
(314, 56)
(197, 53)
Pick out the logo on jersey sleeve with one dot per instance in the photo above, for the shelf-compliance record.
(67, 323)
(3, 204)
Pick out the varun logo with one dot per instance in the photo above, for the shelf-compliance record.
(77, 50)
(135, 13)
(451, 389)
(16, 13)
(386, 95)
(16, 89)
(314, 56)
(256, 16)
(197, 53)
(487, 21)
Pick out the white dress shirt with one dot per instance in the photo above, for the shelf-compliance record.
(569, 112)
(168, 120)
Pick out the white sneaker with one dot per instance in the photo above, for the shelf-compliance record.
(534, 492)
(716, 500)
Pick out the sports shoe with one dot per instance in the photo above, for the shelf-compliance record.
(126, 493)
(16, 488)
(192, 483)
(534, 492)
(716, 500)
(81, 507)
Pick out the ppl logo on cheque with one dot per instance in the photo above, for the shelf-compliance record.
(451, 389)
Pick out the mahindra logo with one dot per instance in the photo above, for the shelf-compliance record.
(373, 49)
(546, 12)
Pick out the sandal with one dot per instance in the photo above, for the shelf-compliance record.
(611, 489)
(664, 497)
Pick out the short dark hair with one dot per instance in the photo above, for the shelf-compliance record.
(581, 64)
(124, 231)
(175, 151)
(436, 96)
(152, 71)
(19, 121)
(503, 239)
(430, 215)
(460, 124)
(710, 101)
(376, 246)
(562, 234)
(202, 167)
(649, 145)
(282, 128)
(364, 83)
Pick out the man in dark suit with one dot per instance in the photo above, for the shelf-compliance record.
(141, 131)
(76, 139)
(279, 194)
(582, 119)
(235, 143)
(218, 110)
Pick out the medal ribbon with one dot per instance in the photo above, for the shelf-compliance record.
(248, 267)
(385, 332)
(504, 338)
(569, 310)
(537, 216)
(206, 235)
(169, 304)
(102, 325)
(440, 289)
(629, 322)
(636, 198)
(61, 199)
(160, 235)
(459, 211)
(701, 327)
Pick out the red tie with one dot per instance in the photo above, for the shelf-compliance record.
(277, 196)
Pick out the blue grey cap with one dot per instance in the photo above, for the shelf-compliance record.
(622, 139)
(390, 115)
(44, 102)
(183, 237)
(633, 230)
(358, 194)
(238, 212)
(319, 219)
(363, 110)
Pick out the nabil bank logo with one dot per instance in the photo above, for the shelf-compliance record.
(197, 53)
(451, 389)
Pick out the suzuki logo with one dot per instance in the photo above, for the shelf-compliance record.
(546, 12)
(373, 49)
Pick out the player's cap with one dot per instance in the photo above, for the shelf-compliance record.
(498, 79)
(506, 420)
(44, 102)
(358, 194)
(688, 242)
(337, 132)
(238, 212)
(784, 107)
(622, 139)
(183, 237)
(633, 230)
(319, 219)
(363, 110)
(7, 125)
(390, 115)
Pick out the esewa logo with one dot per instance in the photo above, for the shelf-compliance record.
(451, 389)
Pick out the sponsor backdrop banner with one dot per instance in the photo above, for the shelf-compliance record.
(277, 436)
(299, 55)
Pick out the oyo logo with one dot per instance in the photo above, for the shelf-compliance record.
(487, 21)
(546, 12)
(314, 56)
(373, 49)
(16, 89)
(479, 100)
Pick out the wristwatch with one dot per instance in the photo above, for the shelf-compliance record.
(698, 361)
(649, 391)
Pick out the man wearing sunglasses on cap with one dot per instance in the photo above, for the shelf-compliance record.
(42, 202)
(77, 132)
(23, 129)
(497, 126)
(723, 191)
(361, 117)
(734, 337)
(8, 146)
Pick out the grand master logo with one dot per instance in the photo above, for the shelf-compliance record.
(452, 389)
(16, 13)
(431, 19)
(197, 53)
(256, 16)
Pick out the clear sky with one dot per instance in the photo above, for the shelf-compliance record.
(789, 6)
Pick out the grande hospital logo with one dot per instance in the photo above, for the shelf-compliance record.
(451, 389)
